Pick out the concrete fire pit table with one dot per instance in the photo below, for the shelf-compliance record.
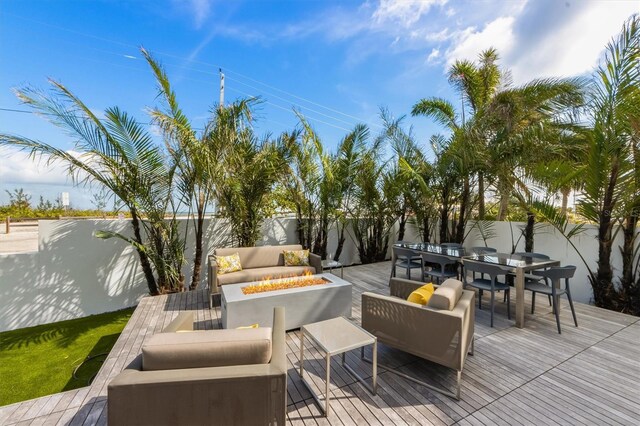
(303, 305)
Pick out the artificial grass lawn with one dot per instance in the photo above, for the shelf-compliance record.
(38, 361)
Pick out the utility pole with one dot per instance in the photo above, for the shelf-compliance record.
(221, 89)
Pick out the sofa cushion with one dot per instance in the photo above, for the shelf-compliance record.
(228, 264)
(296, 257)
(259, 257)
(421, 295)
(210, 348)
(447, 295)
(259, 274)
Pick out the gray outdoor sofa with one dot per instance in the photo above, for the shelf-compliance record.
(170, 383)
(257, 263)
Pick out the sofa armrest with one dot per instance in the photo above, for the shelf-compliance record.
(184, 321)
(316, 262)
(212, 276)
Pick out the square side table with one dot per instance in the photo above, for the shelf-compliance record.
(334, 337)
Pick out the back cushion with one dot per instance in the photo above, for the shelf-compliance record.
(210, 348)
(447, 295)
(259, 257)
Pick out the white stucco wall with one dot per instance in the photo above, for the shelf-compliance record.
(75, 274)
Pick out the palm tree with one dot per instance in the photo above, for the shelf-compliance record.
(342, 171)
(117, 154)
(251, 170)
(526, 121)
(610, 190)
(197, 158)
(476, 84)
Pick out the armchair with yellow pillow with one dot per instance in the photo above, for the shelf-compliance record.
(440, 330)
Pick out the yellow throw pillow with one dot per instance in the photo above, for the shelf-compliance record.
(227, 264)
(256, 325)
(422, 295)
(296, 257)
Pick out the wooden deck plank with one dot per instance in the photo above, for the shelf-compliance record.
(591, 374)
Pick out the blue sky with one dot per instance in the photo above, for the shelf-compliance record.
(338, 62)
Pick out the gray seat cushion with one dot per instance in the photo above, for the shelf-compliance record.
(258, 274)
(210, 348)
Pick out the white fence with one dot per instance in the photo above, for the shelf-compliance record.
(75, 274)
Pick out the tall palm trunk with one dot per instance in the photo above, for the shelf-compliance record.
(144, 259)
(481, 208)
(464, 205)
(565, 200)
(341, 240)
(602, 283)
(505, 194)
(402, 225)
(628, 283)
(528, 232)
(197, 260)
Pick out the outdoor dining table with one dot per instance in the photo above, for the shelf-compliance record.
(451, 253)
(518, 264)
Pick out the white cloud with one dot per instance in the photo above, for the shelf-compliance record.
(198, 9)
(433, 56)
(575, 45)
(469, 42)
(404, 12)
(18, 168)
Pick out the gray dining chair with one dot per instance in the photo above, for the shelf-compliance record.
(407, 259)
(491, 284)
(533, 276)
(555, 274)
(439, 269)
(416, 255)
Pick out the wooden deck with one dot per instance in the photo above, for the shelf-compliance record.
(586, 375)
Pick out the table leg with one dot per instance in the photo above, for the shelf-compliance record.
(326, 396)
(301, 350)
(519, 297)
(375, 367)
(557, 284)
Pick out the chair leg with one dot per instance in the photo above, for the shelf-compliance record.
(557, 312)
(508, 294)
(573, 312)
(409, 271)
(480, 300)
(550, 304)
(493, 299)
(533, 302)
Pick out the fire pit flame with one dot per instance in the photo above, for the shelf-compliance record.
(283, 283)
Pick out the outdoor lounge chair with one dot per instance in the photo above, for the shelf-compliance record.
(242, 390)
(441, 332)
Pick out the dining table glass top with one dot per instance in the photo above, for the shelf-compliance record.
(435, 248)
(510, 260)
